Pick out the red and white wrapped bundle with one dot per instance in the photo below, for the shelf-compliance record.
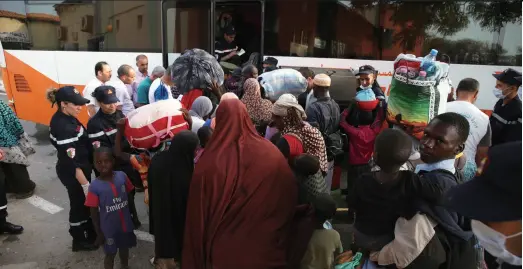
(147, 126)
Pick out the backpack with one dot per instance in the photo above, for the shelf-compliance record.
(334, 144)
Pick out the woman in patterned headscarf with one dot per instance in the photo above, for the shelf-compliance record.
(260, 110)
(298, 137)
(15, 146)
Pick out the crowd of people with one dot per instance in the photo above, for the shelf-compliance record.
(248, 185)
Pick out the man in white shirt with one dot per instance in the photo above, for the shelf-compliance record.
(103, 75)
(479, 139)
(127, 75)
(161, 87)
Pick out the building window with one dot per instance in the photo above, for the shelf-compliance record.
(139, 21)
(117, 25)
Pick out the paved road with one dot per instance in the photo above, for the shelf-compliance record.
(45, 242)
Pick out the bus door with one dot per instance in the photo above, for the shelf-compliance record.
(190, 24)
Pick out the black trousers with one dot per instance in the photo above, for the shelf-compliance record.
(3, 197)
(17, 178)
(80, 225)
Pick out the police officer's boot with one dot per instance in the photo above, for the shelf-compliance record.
(80, 242)
(89, 229)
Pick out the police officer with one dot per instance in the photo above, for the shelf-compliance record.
(226, 49)
(270, 64)
(492, 200)
(73, 167)
(505, 120)
(102, 132)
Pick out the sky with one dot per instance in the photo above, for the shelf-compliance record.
(32, 6)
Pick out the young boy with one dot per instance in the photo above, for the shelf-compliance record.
(443, 139)
(204, 134)
(108, 197)
(325, 243)
(361, 138)
(381, 197)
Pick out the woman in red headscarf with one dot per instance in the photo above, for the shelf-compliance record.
(242, 199)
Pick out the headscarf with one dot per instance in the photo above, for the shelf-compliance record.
(201, 107)
(240, 209)
(169, 179)
(228, 96)
(293, 115)
(225, 96)
(259, 109)
(10, 127)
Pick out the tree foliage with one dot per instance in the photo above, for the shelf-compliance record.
(418, 18)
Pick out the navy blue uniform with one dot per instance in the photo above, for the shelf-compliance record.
(69, 137)
(505, 122)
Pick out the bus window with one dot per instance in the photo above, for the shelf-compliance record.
(318, 28)
(186, 25)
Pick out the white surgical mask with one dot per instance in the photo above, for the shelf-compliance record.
(365, 88)
(498, 93)
(494, 242)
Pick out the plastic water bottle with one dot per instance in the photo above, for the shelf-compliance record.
(428, 61)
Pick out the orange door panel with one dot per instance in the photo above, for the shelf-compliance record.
(28, 87)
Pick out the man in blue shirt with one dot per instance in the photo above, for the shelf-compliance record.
(143, 88)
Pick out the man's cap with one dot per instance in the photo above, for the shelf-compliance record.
(105, 94)
(509, 76)
(271, 61)
(237, 72)
(494, 195)
(366, 69)
(322, 80)
(70, 94)
(229, 30)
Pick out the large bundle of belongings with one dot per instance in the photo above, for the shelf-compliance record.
(148, 126)
(196, 69)
(418, 92)
(282, 81)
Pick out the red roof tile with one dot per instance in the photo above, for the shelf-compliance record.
(42, 17)
(12, 15)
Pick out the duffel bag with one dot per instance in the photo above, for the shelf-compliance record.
(282, 81)
(147, 126)
(414, 103)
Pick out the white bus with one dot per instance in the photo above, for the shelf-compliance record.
(56, 43)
